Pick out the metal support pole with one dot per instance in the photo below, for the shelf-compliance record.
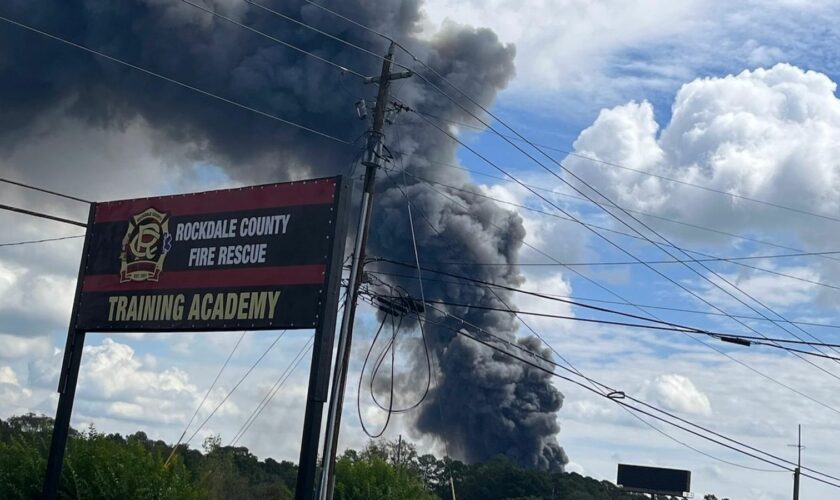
(68, 378)
(322, 350)
(372, 161)
(798, 466)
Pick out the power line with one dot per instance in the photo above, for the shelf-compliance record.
(575, 370)
(601, 195)
(310, 27)
(42, 215)
(666, 326)
(608, 212)
(206, 395)
(616, 396)
(611, 214)
(600, 388)
(277, 40)
(627, 252)
(651, 174)
(646, 214)
(269, 395)
(403, 189)
(638, 261)
(485, 110)
(632, 262)
(477, 104)
(580, 180)
(45, 240)
(275, 388)
(420, 322)
(617, 393)
(390, 410)
(614, 302)
(748, 340)
(644, 311)
(545, 296)
(42, 190)
(568, 362)
(176, 82)
(230, 393)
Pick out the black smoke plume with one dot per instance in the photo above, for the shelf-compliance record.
(485, 404)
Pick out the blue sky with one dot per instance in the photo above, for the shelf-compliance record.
(585, 73)
(707, 41)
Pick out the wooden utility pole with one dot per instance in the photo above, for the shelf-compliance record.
(373, 160)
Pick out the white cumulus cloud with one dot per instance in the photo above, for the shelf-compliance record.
(677, 392)
(771, 134)
(11, 392)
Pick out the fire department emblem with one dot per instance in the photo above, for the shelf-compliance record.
(144, 247)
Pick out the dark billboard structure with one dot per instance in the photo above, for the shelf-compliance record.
(243, 259)
(656, 480)
(252, 258)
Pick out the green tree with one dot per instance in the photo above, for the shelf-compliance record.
(22, 468)
(95, 466)
(99, 466)
(370, 477)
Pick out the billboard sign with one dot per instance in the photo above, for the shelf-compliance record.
(249, 258)
(654, 479)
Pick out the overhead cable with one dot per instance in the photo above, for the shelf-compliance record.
(275, 39)
(42, 190)
(204, 399)
(621, 395)
(731, 338)
(706, 256)
(439, 90)
(646, 214)
(390, 410)
(570, 365)
(655, 270)
(42, 215)
(615, 302)
(272, 391)
(45, 240)
(648, 173)
(611, 214)
(644, 311)
(313, 28)
(236, 386)
(531, 157)
(530, 143)
(618, 396)
(665, 325)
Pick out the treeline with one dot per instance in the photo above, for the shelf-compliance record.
(111, 466)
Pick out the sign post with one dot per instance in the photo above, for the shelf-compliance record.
(67, 380)
(256, 258)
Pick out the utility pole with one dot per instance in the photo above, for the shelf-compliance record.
(796, 471)
(372, 161)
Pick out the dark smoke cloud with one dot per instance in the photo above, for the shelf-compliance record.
(485, 404)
